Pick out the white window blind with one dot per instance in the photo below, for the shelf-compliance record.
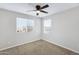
(24, 25)
(47, 25)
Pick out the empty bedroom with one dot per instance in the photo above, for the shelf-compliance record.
(39, 28)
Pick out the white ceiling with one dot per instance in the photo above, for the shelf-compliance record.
(25, 7)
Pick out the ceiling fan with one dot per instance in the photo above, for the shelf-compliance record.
(38, 9)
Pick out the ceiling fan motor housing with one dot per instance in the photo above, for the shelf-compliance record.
(38, 7)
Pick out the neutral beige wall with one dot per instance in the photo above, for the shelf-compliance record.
(8, 35)
(65, 29)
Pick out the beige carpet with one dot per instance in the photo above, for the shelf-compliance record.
(39, 47)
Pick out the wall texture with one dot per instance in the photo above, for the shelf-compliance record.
(65, 29)
(8, 35)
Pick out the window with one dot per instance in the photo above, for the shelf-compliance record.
(47, 25)
(24, 25)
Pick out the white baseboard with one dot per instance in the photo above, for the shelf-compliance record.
(62, 46)
(18, 44)
(38, 39)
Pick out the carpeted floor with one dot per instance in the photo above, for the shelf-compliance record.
(39, 47)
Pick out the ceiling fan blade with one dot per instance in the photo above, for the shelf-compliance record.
(43, 11)
(45, 6)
